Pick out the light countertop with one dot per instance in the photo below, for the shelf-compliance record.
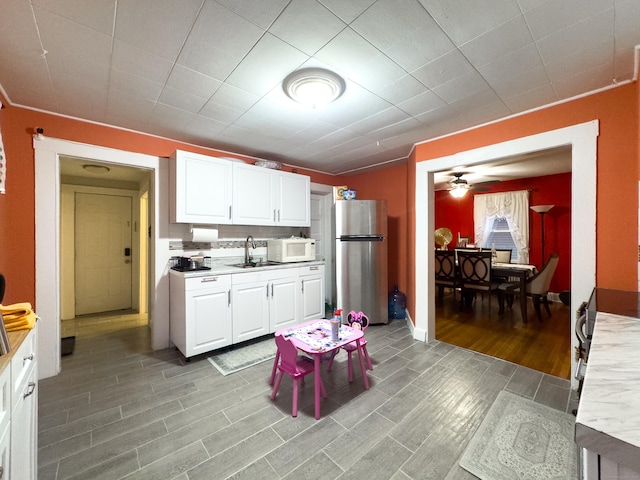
(225, 266)
(608, 418)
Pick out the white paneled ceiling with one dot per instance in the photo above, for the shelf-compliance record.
(209, 72)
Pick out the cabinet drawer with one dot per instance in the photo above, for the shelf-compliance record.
(311, 270)
(207, 282)
(22, 364)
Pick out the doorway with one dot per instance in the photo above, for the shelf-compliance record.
(49, 155)
(583, 141)
(321, 231)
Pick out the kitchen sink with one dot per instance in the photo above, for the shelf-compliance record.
(253, 264)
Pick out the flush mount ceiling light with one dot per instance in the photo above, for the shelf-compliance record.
(313, 87)
(100, 169)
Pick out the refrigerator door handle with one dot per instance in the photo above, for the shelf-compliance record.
(362, 238)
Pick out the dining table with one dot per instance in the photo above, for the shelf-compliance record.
(314, 338)
(522, 272)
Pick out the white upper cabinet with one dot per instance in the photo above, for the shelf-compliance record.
(293, 200)
(270, 197)
(252, 195)
(200, 189)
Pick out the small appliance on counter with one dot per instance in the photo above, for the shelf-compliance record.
(191, 264)
(292, 249)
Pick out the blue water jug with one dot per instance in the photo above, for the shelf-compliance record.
(397, 304)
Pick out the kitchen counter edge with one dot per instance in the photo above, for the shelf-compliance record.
(228, 269)
(608, 417)
(15, 340)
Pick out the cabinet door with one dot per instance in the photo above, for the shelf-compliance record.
(5, 414)
(252, 195)
(283, 302)
(24, 432)
(209, 321)
(312, 289)
(250, 311)
(293, 200)
(200, 189)
(4, 453)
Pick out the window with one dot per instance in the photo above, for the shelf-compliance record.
(509, 211)
(500, 237)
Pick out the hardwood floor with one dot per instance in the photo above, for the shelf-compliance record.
(543, 346)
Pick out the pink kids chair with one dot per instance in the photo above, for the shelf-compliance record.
(294, 365)
(360, 321)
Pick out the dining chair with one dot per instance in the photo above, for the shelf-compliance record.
(294, 365)
(475, 275)
(466, 249)
(503, 255)
(537, 287)
(359, 321)
(446, 272)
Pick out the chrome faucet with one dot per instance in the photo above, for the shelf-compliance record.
(247, 257)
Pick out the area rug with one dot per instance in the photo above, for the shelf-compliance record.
(243, 356)
(520, 439)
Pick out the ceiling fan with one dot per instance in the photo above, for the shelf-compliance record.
(460, 187)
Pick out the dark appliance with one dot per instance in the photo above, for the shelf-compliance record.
(189, 264)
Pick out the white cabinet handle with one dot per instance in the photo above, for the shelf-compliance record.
(31, 388)
(302, 286)
(209, 279)
(313, 268)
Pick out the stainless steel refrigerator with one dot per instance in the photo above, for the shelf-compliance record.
(361, 258)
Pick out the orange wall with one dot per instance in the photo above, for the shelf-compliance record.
(617, 173)
(17, 207)
(389, 184)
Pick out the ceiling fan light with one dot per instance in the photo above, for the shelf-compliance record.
(313, 87)
(459, 191)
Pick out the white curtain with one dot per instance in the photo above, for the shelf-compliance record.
(514, 206)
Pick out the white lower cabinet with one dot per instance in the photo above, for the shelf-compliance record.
(283, 303)
(200, 310)
(19, 409)
(214, 311)
(24, 431)
(250, 301)
(311, 292)
(263, 302)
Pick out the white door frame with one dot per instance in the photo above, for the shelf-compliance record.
(329, 272)
(583, 140)
(47, 226)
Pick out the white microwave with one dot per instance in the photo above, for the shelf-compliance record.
(291, 249)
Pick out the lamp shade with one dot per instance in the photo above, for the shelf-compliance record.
(541, 208)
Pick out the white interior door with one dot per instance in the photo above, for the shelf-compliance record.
(103, 253)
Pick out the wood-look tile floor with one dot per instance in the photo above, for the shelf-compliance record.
(121, 410)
